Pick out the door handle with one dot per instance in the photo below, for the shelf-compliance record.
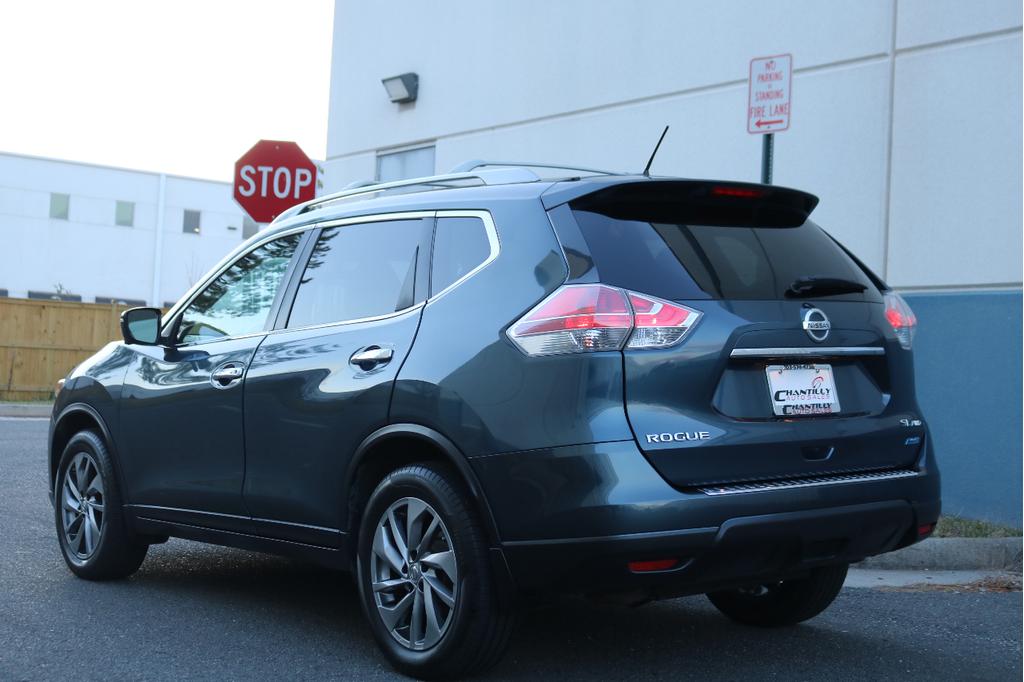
(371, 357)
(227, 375)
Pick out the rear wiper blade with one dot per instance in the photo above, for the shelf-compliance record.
(823, 286)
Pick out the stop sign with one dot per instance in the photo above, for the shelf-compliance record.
(271, 177)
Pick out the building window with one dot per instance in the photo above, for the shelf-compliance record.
(249, 227)
(124, 213)
(190, 223)
(411, 163)
(59, 204)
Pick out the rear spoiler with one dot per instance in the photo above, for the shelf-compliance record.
(695, 202)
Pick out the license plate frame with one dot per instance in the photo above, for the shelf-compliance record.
(802, 390)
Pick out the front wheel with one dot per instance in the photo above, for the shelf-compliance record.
(424, 576)
(87, 507)
(785, 602)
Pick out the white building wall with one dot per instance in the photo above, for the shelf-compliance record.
(88, 254)
(906, 113)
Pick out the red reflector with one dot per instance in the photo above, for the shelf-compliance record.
(925, 530)
(654, 565)
(743, 192)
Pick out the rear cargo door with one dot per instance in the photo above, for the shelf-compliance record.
(792, 371)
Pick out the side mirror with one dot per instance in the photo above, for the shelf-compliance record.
(141, 326)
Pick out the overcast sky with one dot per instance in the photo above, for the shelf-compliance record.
(183, 87)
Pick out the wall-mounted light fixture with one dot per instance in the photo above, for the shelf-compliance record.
(402, 88)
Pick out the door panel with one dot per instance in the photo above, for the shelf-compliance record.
(307, 409)
(182, 437)
(315, 390)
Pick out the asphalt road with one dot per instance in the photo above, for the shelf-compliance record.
(199, 612)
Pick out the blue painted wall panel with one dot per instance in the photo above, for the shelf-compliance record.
(967, 357)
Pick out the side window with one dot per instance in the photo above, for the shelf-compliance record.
(460, 244)
(239, 301)
(360, 270)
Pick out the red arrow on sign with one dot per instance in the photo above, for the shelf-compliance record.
(759, 123)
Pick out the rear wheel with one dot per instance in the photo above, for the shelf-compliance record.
(786, 602)
(87, 510)
(425, 578)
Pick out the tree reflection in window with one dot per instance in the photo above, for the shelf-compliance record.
(239, 301)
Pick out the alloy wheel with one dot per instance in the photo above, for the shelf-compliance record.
(414, 573)
(81, 500)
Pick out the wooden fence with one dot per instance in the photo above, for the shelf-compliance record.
(40, 341)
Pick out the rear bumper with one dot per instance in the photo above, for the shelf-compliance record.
(572, 518)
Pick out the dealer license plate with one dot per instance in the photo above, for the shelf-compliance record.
(799, 390)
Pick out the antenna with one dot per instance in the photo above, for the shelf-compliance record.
(647, 168)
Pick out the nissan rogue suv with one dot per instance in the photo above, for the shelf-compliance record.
(482, 387)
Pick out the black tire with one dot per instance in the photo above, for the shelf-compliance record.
(478, 626)
(114, 554)
(785, 603)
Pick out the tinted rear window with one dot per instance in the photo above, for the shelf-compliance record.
(679, 261)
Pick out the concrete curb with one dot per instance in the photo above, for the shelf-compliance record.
(952, 554)
(25, 409)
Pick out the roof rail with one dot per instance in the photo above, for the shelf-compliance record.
(467, 166)
(495, 176)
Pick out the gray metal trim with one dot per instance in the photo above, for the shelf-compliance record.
(808, 482)
(821, 351)
(467, 166)
(493, 176)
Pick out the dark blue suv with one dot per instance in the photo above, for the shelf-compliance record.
(481, 387)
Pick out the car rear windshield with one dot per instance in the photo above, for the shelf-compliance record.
(681, 261)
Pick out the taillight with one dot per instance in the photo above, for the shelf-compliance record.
(657, 323)
(901, 317)
(580, 318)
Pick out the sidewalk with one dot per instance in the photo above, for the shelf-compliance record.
(26, 410)
(951, 554)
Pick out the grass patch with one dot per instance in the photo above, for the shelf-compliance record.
(958, 527)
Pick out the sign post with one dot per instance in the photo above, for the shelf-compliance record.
(768, 104)
(271, 177)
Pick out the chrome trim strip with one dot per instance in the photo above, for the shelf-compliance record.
(817, 352)
(228, 261)
(324, 325)
(377, 218)
(235, 255)
(808, 482)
